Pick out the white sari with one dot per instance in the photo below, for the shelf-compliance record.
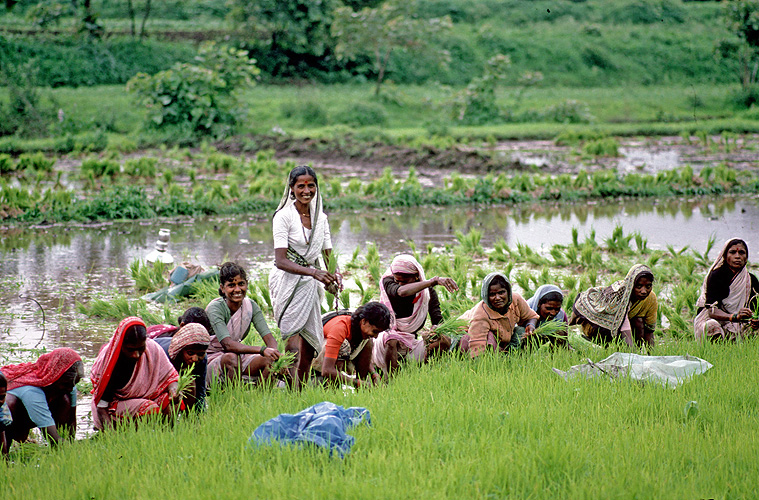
(296, 298)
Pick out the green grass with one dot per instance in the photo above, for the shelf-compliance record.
(492, 428)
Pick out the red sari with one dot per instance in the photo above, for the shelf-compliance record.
(147, 389)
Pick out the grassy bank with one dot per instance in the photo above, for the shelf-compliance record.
(492, 428)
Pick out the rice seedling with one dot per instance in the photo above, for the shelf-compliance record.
(703, 258)
(148, 277)
(355, 262)
(186, 381)
(553, 329)
(204, 291)
(523, 279)
(575, 237)
(641, 243)
(501, 252)
(451, 327)
(366, 294)
(557, 254)
(569, 281)
(676, 253)
(618, 242)
(345, 299)
(470, 242)
(678, 327)
(573, 255)
(373, 262)
(262, 284)
(284, 361)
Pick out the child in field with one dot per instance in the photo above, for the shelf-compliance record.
(349, 338)
(43, 394)
(499, 320)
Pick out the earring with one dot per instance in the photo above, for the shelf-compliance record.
(292, 195)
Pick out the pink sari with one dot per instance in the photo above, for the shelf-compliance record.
(147, 389)
(403, 329)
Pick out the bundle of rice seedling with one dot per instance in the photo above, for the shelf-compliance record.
(553, 329)
(284, 361)
(450, 327)
(186, 380)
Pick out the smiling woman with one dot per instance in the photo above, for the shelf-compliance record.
(231, 317)
(301, 235)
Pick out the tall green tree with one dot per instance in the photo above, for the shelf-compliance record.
(381, 30)
(742, 20)
(285, 34)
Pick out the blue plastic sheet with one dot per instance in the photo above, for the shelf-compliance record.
(323, 424)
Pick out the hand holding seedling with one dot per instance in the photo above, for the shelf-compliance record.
(271, 353)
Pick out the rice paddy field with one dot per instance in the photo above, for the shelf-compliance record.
(495, 427)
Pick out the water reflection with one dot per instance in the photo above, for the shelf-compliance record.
(60, 266)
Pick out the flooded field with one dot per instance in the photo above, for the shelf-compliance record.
(58, 266)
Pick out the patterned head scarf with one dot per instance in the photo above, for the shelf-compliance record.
(607, 306)
(190, 334)
(43, 372)
(485, 291)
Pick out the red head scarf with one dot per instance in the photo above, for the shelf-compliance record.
(43, 372)
(109, 354)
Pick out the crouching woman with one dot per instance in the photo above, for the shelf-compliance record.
(132, 377)
(350, 339)
(499, 320)
(43, 394)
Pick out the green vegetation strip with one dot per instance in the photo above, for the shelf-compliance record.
(210, 182)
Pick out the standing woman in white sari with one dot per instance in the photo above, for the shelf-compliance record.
(301, 235)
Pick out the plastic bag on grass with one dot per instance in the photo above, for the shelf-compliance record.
(669, 371)
(323, 424)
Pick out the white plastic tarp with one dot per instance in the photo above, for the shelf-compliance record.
(670, 371)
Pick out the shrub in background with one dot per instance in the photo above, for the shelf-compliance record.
(200, 99)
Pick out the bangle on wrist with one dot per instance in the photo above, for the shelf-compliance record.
(263, 349)
(732, 318)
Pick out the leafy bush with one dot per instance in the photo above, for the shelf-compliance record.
(75, 61)
(141, 167)
(362, 114)
(476, 104)
(7, 164)
(197, 98)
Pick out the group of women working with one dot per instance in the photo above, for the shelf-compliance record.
(137, 372)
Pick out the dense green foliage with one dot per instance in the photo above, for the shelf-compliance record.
(612, 42)
(65, 61)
